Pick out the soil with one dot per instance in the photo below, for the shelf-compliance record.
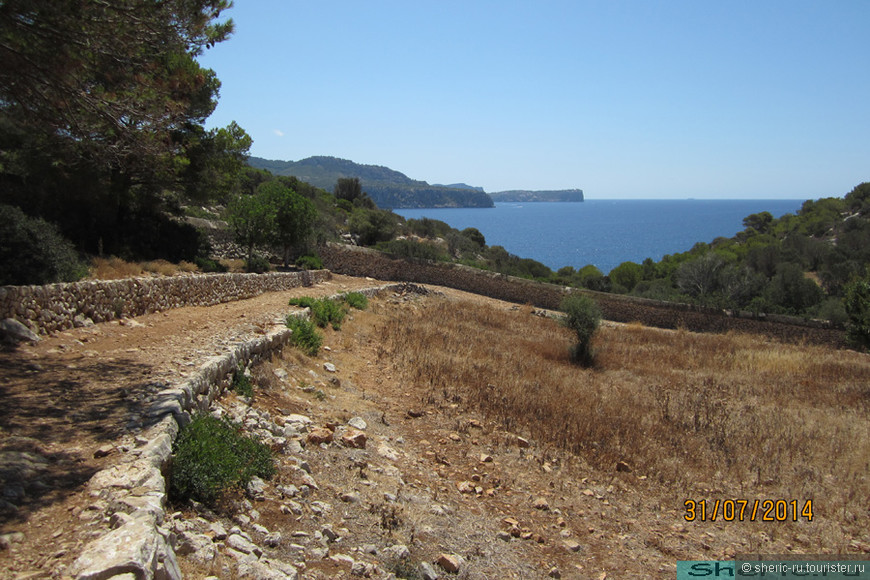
(70, 399)
(460, 484)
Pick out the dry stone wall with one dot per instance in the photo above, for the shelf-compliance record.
(54, 307)
(138, 542)
(356, 261)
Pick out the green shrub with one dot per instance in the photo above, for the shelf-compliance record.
(356, 300)
(857, 302)
(323, 310)
(32, 251)
(242, 383)
(309, 262)
(582, 316)
(303, 302)
(832, 309)
(326, 311)
(304, 335)
(412, 249)
(209, 265)
(257, 265)
(212, 456)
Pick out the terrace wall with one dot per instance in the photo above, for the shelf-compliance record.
(356, 261)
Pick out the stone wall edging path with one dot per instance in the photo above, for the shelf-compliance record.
(135, 489)
(55, 307)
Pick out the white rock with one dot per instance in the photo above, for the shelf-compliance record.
(358, 423)
(237, 542)
(398, 551)
(134, 547)
(219, 531)
(388, 452)
(189, 543)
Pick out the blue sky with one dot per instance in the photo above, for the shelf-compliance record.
(623, 99)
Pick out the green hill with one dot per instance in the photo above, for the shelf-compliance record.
(388, 188)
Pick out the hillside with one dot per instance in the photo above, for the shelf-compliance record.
(469, 453)
(388, 188)
(520, 195)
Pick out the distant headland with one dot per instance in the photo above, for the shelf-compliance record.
(520, 195)
(388, 188)
(391, 189)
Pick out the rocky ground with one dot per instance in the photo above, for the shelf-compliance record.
(373, 480)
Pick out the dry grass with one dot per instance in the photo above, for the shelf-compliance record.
(113, 268)
(700, 414)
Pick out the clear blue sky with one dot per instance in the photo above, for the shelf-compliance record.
(624, 99)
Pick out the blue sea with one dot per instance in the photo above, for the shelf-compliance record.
(605, 233)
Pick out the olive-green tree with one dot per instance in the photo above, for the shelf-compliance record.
(583, 316)
(252, 218)
(294, 217)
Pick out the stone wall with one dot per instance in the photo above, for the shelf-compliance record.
(55, 307)
(134, 490)
(356, 261)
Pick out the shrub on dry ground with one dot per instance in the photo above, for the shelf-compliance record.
(736, 413)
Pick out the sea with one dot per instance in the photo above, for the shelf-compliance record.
(605, 233)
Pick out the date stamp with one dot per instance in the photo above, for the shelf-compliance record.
(748, 510)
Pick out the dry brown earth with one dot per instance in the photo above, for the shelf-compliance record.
(437, 477)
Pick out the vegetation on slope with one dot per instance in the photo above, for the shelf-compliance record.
(388, 188)
(102, 134)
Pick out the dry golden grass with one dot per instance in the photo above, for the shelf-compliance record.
(113, 268)
(233, 265)
(727, 415)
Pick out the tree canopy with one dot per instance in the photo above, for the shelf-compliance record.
(102, 106)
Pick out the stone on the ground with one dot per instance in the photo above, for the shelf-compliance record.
(355, 439)
(241, 544)
(427, 571)
(320, 435)
(358, 423)
(256, 488)
(13, 332)
(450, 562)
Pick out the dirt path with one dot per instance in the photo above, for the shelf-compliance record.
(71, 400)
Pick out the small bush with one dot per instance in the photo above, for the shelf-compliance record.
(209, 265)
(833, 309)
(212, 456)
(326, 311)
(304, 336)
(242, 384)
(857, 303)
(257, 265)
(303, 302)
(582, 316)
(309, 262)
(412, 249)
(33, 251)
(323, 310)
(356, 300)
